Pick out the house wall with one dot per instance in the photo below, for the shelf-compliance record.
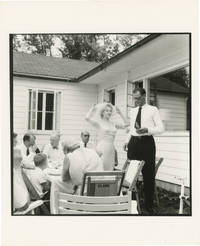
(148, 61)
(76, 99)
(174, 105)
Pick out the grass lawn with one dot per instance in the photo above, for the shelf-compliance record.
(168, 203)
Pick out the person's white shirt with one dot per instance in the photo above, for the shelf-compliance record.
(27, 160)
(20, 192)
(55, 155)
(89, 145)
(37, 177)
(83, 160)
(150, 119)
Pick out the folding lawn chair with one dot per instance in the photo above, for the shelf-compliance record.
(74, 204)
(132, 171)
(106, 183)
(33, 193)
(158, 162)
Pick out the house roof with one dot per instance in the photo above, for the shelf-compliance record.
(164, 84)
(40, 66)
(118, 56)
(34, 65)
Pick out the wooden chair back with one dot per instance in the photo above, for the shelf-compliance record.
(159, 161)
(33, 193)
(73, 204)
(106, 183)
(132, 171)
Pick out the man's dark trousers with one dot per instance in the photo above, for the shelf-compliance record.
(143, 148)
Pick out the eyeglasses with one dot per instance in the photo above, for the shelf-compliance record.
(86, 135)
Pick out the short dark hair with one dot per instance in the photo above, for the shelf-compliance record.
(14, 135)
(26, 137)
(141, 90)
(39, 159)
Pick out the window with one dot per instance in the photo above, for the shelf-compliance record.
(44, 110)
(109, 96)
(170, 92)
(130, 87)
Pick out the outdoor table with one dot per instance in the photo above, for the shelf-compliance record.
(58, 185)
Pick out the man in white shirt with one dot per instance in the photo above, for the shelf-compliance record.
(21, 197)
(145, 122)
(77, 161)
(54, 152)
(85, 137)
(27, 153)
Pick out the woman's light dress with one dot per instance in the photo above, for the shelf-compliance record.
(105, 144)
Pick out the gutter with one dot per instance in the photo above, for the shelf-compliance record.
(117, 57)
(33, 76)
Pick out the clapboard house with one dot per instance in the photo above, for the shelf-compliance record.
(55, 94)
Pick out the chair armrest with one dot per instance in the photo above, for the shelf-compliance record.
(31, 207)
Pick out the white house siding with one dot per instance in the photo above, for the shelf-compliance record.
(175, 151)
(76, 99)
(175, 105)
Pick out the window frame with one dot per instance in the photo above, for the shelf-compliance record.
(44, 91)
(108, 90)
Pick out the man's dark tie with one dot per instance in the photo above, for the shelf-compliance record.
(27, 151)
(85, 145)
(138, 119)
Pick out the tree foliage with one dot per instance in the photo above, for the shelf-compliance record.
(90, 47)
(180, 76)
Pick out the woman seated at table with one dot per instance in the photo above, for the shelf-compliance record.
(78, 160)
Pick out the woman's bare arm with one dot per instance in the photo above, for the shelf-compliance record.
(90, 116)
(125, 120)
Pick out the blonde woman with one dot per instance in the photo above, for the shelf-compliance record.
(99, 116)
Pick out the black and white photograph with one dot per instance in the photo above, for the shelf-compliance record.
(100, 124)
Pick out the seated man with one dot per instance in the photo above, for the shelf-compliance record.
(21, 197)
(54, 152)
(27, 153)
(78, 161)
(34, 146)
(38, 177)
(85, 137)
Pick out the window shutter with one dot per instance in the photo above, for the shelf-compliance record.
(58, 111)
(32, 109)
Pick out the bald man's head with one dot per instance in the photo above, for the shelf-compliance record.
(85, 136)
(54, 140)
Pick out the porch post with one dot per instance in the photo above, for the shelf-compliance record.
(146, 86)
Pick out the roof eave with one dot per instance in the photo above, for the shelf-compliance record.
(36, 76)
(118, 56)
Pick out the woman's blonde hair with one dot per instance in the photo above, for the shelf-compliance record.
(104, 108)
